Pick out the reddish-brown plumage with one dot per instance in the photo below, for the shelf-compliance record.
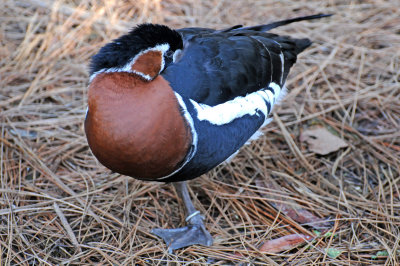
(135, 127)
(148, 63)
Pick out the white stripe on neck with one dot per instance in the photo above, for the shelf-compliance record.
(189, 120)
(128, 66)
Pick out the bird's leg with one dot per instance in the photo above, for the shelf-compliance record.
(192, 234)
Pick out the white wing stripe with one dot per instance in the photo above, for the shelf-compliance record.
(225, 113)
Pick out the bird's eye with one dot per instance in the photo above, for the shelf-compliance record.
(169, 53)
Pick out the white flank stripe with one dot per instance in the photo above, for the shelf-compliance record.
(225, 113)
(128, 67)
(277, 90)
(279, 95)
(282, 95)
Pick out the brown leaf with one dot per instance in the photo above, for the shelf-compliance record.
(289, 207)
(321, 141)
(303, 216)
(284, 243)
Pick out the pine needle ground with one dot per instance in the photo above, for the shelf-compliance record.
(58, 205)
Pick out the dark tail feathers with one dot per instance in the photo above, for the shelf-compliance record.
(276, 24)
(301, 44)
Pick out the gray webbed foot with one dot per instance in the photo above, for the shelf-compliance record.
(194, 233)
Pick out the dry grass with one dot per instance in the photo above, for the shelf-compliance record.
(60, 206)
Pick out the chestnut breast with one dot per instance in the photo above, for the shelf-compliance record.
(135, 127)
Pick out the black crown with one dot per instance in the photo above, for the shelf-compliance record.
(144, 36)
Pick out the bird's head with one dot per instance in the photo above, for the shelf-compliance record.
(145, 51)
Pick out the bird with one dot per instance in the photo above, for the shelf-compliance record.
(169, 105)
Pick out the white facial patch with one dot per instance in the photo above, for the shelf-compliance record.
(238, 107)
(177, 55)
(128, 67)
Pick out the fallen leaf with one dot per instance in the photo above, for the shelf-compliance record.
(317, 233)
(321, 141)
(289, 207)
(333, 252)
(284, 243)
(382, 253)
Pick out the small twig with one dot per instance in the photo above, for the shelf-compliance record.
(67, 227)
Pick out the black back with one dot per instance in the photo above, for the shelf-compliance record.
(219, 65)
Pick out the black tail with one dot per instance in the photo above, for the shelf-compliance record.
(276, 24)
(301, 44)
